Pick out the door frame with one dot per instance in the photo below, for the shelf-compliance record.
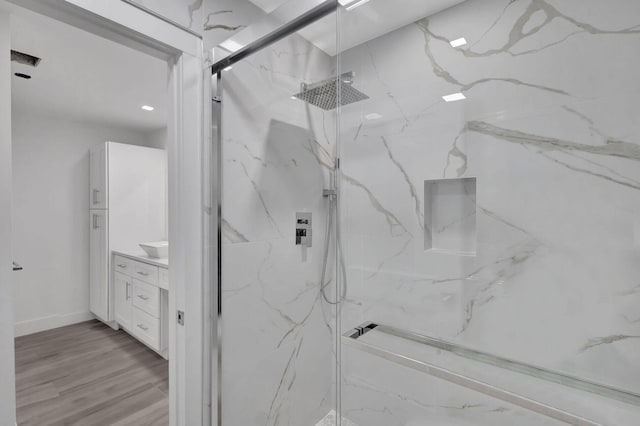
(7, 364)
(135, 27)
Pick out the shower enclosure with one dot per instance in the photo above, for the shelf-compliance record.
(429, 214)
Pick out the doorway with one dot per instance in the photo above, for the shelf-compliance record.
(89, 136)
(166, 59)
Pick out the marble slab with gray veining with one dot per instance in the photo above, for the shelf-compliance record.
(548, 129)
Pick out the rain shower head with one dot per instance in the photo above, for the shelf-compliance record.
(325, 93)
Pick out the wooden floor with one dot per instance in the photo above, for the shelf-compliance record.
(88, 374)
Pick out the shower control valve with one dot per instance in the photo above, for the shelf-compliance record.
(303, 229)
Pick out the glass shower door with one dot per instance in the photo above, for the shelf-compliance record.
(489, 213)
(277, 341)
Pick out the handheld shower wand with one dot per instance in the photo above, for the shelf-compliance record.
(332, 195)
(329, 95)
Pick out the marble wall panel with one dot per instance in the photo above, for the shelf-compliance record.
(278, 333)
(549, 130)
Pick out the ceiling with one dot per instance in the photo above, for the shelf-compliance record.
(268, 5)
(83, 77)
(364, 23)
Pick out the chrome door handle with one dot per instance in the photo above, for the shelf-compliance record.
(128, 287)
(141, 326)
(145, 298)
(121, 265)
(144, 274)
(95, 196)
(95, 221)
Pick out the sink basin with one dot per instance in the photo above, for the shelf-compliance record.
(157, 250)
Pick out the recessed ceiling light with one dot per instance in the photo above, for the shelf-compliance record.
(454, 97)
(458, 42)
(352, 4)
(21, 75)
(147, 108)
(228, 68)
(231, 45)
(294, 97)
(373, 116)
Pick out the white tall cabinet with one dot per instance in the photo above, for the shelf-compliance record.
(98, 268)
(99, 177)
(127, 206)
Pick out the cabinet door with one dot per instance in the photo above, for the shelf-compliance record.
(99, 264)
(146, 328)
(122, 299)
(98, 177)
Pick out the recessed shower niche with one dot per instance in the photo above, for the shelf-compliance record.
(450, 216)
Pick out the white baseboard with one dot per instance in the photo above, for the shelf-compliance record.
(23, 328)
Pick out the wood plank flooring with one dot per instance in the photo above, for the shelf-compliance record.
(91, 375)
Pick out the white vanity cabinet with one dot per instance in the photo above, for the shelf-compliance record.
(141, 301)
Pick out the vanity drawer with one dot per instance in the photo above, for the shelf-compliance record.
(146, 328)
(163, 278)
(145, 272)
(146, 297)
(122, 264)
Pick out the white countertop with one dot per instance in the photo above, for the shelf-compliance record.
(143, 257)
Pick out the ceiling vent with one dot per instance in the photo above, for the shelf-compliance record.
(24, 58)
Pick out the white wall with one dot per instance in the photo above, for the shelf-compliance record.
(7, 376)
(51, 228)
(157, 138)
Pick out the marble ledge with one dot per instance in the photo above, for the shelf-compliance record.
(141, 256)
(599, 403)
